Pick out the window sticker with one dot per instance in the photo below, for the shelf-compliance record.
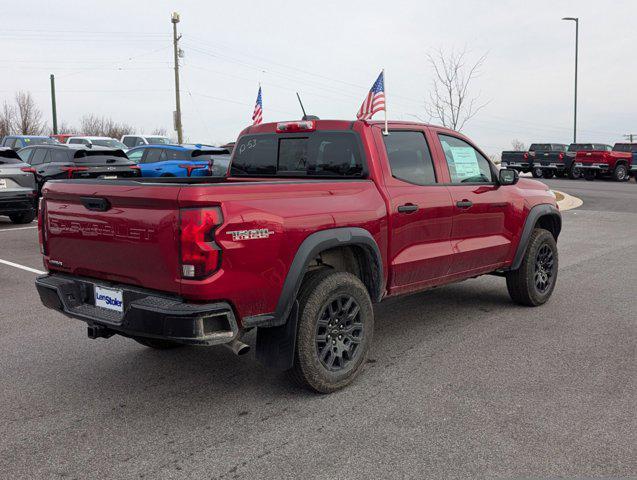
(465, 162)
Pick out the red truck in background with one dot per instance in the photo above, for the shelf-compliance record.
(317, 220)
(605, 161)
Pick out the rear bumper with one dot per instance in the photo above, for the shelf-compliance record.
(18, 201)
(146, 313)
(593, 166)
(552, 166)
(523, 167)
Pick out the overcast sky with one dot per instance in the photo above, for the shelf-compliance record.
(115, 58)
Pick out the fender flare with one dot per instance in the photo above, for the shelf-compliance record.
(276, 332)
(532, 218)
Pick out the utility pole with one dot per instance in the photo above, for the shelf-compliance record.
(177, 116)
(53, 106)
(630, 136)
(576, 20)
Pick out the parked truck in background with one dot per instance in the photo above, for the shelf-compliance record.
(318, 220)
(632, 149)
(542, 160)
(604, 160)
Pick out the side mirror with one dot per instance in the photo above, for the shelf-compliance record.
(508, 177)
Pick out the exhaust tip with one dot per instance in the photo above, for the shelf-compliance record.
(237, 347)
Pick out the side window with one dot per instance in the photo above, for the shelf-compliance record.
(10, 142)
(466, 164)
(152, 155)
(25, 154)
(38, 156)
(75, 140)
(136, 156)
(409, 157)
(129, 142)
(139, 141)
(170, 154)
(59, 155)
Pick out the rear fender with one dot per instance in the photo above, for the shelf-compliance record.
(276, 334)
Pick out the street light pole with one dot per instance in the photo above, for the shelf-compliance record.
(576, 20)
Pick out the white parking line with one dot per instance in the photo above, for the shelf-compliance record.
(22, 267)
(17, 228)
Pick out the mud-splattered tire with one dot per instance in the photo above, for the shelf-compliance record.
(533, 283)
(335, 329)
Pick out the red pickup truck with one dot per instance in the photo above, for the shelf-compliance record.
(316, 221)
(604, 161)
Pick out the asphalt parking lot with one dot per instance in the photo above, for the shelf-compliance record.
(460, 382)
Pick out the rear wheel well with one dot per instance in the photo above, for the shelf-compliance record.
(355, 259)
(552, 223)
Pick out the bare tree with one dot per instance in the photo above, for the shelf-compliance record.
(160, 131)
(29, 117)
(449, 98)
(7, 119)
(64, 127)
(517, 145)
(104, 126)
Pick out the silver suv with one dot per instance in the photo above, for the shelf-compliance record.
(18, 191)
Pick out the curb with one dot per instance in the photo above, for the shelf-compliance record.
(569, 202)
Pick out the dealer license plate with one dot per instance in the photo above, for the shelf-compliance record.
(109, 298)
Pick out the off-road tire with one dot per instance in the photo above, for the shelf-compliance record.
(22, 217)
(621, 173)
(318, 290)
(537, 172)
(157, 343)
(521, 283)
(548, 174)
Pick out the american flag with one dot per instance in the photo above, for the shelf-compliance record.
(375, 100)
(257, 116)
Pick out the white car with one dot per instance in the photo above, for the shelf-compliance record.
(97, 141)
(138, 140)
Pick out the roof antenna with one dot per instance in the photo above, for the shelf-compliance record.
(305, 115)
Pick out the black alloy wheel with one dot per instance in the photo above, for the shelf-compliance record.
(339, 331)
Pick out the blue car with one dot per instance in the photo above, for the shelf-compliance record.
(180, 160)
(16, 142)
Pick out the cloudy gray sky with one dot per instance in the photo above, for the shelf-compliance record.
(115, 58)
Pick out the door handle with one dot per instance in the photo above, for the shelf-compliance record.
(464, 204)
(407, 208)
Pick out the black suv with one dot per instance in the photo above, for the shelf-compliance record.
(18, 193)
(55, 162)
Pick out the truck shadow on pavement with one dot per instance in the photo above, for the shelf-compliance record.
(402, 324)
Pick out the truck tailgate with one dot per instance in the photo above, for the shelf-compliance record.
(114, 232)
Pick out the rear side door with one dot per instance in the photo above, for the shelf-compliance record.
(37, 161)
(420, 210)
(483, 231)
(151, 163)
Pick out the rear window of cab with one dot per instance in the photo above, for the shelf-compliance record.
(315, 154)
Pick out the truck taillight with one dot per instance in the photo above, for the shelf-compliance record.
(302, 126)
(561, 155)
(42, 235)
(526, 155)
(200, 255)
(28, 169)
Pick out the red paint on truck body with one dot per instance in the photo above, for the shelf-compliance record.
(137, 240)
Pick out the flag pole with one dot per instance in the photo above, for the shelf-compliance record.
(386, 132)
